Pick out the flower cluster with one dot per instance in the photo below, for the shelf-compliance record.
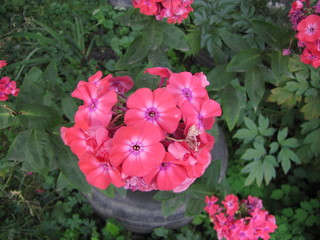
(306, 21)
(174, 10)
(7, 87)
(245, 220)
(150, 140)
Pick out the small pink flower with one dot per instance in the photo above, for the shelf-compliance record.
(96, 109)
(3, 63)
(231, 203)
(137, 150)
(157, 107)
(286, 52)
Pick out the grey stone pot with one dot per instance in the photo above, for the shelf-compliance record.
(138, 212)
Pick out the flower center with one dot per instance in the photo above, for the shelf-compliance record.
(151, 114)
(164, 165)
(93, 105)
(136, 147)
(187, 93)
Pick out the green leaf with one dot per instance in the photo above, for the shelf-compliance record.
(164, 195)
(17, 150)
(279, 64)
(232, 102)
(255, 86)
(285, 157)
(135, 53)
(39, 152)
(301, 215)
(31, 90)
(313, 139)
(112, 229)
(174, 37)
(235, 42)
(38, 116)
(311, 110)
(282, 134)
(255, 170)
(200, 190)
(269, 164)
(266, 32)
(152, 35)
(245, 134)
(6, 117)
(69, 107)
(68, 164)
(219, 78)
(277, 194)
(194, 206)
(288, 212)
(251, 125)
(281, 95)
(245, 60)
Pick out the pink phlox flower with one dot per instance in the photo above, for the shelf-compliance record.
(253, 203)
(96, 109)
(286, 52)
(3, 63)
(186, 87)
(203, 79)
(169, 174)
(157, 107)
(295, 6)
(121, 84)
(242, 231)
(317, 7)
(211, 208)
(309, 28)
(81, 141)
(159, 71)
(147, 7)
(98, 80)
(202, 115)
(231, 203)
(138, 183)
(195, 162)
(7, 87)
(184, 185)
(99, 171)
(263, 223)
(137, 150)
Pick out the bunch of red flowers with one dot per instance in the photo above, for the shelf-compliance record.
(174, 10)
(306, 21)
(150, 140)
(7, 86)
(245, 220)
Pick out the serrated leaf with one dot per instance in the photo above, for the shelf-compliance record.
(311, 110)
(284, 159)
(269, 164)
(219, 78)
(245, 134)
(274, 146)
(276, 194)
(313, 140)
(281, 96)
(282, 134)
(288, 212)
(307, 206)
(245, 60)
(301, 215)
(251, 125)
